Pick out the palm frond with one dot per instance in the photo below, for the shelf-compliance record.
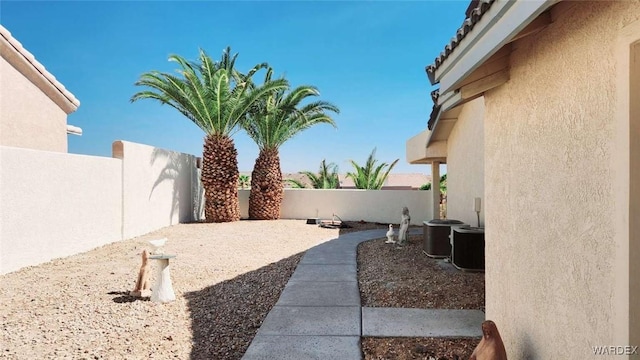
(280, 116)
(370, 176)
(296, 184)
(212, 94)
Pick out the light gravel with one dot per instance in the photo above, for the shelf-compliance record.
(226, 278)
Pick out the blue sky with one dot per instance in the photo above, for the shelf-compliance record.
(367, 58)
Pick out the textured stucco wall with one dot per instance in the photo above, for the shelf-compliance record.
(383, 206)
(633, 137)
(157, 187)
(29, 118)
(55, 204)
(551, 184)
(465, 164)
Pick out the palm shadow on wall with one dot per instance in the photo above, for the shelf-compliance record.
(182, 173)
(226, 316)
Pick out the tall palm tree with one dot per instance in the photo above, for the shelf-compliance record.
(276, 119)
(370, 176)
(217, 98)
(326, 178)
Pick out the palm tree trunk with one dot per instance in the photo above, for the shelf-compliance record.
(267, 189)
(220, 179)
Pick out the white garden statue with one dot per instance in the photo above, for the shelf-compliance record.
(390, 235)
(404, 226)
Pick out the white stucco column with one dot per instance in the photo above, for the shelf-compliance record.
(435, 188)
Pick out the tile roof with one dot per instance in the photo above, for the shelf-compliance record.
(37, 66)
(475, 11)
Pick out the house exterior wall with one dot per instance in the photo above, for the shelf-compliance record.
(29, 118)
(634, 187)
(384, 206)
(465, 164)
(557, 188)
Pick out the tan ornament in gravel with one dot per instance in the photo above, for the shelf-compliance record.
(491, 346)
(143, 287)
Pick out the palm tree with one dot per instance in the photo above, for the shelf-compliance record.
(327, 177)
(443, 185)
(370, 176)
(244, 181)
(276, 119)
(217, 98)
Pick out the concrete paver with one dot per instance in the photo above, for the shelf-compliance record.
(303, 348)
(328, 258)
(318, 315)
(308, 320)
(320, 293)
(319, 272)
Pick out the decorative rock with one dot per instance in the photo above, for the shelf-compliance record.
(143, 287)
(491, 346)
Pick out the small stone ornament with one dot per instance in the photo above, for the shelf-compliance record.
(143, 286)
(390, 235)
(491, 346)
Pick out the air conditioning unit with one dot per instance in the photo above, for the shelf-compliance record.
(467, 248)
(436, 232)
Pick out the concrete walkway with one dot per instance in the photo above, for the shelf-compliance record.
(318, 315)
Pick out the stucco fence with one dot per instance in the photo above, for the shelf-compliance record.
(57, 204)
(54, 204)
(383, 206)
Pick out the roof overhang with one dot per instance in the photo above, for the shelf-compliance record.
(418, 152)
(501, 24)
(23, 61)
(477, 60)
(443, 125)
(74, 130)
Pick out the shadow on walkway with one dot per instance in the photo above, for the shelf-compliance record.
(225, 317)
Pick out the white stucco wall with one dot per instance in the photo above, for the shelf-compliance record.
(55, 204)
(465, 164)
(157, 187)
(555, 189)
(29, 118)
(631, 103)
(384, 206)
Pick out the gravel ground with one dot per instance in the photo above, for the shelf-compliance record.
(226, 278)
(418, 348)
(389, 276)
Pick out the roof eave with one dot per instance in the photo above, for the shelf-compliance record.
(502, 21)
(22, 60)
(431, 74)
